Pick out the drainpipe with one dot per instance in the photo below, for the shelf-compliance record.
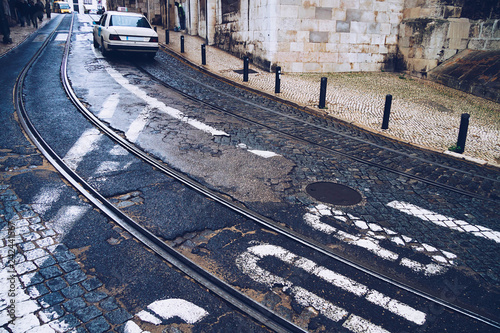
(206, 22)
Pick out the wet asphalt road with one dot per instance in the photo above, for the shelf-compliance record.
(275, 187)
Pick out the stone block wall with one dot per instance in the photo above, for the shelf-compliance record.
(314, 35)
(433, 31)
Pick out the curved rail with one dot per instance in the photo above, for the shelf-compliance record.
(238, 300)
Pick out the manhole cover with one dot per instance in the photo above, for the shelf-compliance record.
(332, 193)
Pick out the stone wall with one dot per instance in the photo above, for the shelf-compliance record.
(433, 31)
(314, 35)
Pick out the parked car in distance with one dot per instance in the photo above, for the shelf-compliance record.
(126, 32)
(61, 7)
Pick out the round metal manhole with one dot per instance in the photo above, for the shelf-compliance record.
(333, 193)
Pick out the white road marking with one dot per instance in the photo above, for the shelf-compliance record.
(261, 153)
(358, 324)
(160, 106)
(43, 201)
(109, 107)
(86, 143)
(136, 127)
(66, 217)
(166, 309)
(445, 221)
(61, 37)
(371, 236)
(247, 262)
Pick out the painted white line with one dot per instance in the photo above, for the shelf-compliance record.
(86, 143)
(358, 324)
(261, 153)
(160, 106)
(175, 307)
(445, 221)
(138, 125)
(166, 309)
(109, 107)
(61, 37)
(371, 236)
(66, 217)
(247, 262)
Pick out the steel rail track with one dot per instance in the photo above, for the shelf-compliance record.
(330, 130)
(263, 221)
(218, 287)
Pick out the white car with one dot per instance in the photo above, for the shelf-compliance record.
(125, 31)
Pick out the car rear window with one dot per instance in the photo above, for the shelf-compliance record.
(128, 21)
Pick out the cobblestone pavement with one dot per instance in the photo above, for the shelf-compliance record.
(423, 113)
(49, 290)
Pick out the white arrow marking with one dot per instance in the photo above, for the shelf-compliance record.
(248, 264)
(372, 236)
(445, 221)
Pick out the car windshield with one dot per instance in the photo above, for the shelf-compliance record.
(63, 6)
(129, 21)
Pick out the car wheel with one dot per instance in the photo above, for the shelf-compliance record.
(96, 44)
(103, 48)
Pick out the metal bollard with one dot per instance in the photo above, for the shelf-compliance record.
(203, 54)
(322, 93)
(246, 60)
(155, 29)
(462, 133)
(182, 44)
(167, 36)
(387, 111)
(278, 80)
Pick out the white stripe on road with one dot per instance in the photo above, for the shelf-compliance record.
(445, 221)
(86, 143)
(373, 234)
(160, 106)
(165, 309)
(109, 107)
(138, 125)
(248, 264)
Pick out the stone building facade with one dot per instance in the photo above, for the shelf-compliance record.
(337, 35)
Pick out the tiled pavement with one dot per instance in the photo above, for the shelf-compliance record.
(47, 290)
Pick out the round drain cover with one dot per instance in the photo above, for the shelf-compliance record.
(332, 193)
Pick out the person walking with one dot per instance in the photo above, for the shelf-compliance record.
(33, 12)
(21, 15)
(39, 10)
(47, 8)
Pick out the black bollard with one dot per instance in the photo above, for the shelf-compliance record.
(155, 29)
(278, 80)
(322, 93)
(182, 44)
(245, 69)
(203, 54)
(387, 111)
(167, 36)
(462, 133)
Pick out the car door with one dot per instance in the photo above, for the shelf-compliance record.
(98, 28)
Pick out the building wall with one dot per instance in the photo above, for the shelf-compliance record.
(433, 31)
(314, 35)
